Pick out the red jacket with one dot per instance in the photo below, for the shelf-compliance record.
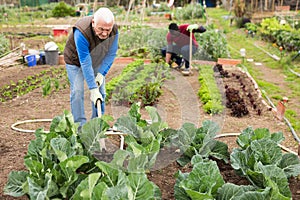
(183, 38)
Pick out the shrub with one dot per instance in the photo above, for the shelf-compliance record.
(191, 11)
(213, 44)
(63, 10)
(141, 39)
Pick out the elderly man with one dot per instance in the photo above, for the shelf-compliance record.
(89, 53)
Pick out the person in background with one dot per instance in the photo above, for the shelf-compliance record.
(89, 54)
(178, 44)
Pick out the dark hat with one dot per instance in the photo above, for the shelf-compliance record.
(173, 26)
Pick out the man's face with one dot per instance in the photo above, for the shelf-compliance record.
(102, 29)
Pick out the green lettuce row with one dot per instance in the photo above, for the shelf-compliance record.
(209, 92)
(126, 73)
(130, 88)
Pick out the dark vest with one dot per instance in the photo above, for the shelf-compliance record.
(98, 48)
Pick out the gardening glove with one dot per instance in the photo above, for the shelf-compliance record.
(95, 96)
(99, 79)
(192, 27)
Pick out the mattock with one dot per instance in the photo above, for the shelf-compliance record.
(101, 140)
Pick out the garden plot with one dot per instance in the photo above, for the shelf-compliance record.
(243, 97)
(33, 105)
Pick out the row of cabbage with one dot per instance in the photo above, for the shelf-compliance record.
(258, 158)
(62, 164)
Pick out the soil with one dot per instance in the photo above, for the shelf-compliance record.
(33, 105)
(178, 104)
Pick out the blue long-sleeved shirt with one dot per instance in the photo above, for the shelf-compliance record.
(82, 46)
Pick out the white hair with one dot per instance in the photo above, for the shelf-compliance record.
(105, 14)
